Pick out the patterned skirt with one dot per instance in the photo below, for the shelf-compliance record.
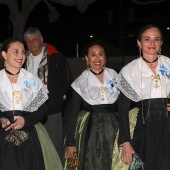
(95, 136)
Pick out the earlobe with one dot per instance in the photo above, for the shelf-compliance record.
(138, 44)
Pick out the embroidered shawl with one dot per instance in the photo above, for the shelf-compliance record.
(136, 83)
(27, 94)
(93, 91)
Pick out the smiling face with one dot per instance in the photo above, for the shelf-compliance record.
(96, 58)
(34, 44)
(150, 42)
(15, 56)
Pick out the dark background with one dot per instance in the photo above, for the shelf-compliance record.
(116, 22)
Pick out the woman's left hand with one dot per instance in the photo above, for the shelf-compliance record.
(168, 107)
(70, 152)
(19, 122)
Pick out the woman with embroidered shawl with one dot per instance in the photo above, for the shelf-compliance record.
(146, 81)
(93, 123)
(24, 143)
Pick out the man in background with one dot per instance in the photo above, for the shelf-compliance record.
(51, 67)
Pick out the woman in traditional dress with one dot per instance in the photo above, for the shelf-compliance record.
(24, 143)
(146, 81)
(92, 122)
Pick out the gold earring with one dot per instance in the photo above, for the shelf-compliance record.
(159, 53)
(5, 63)
(88, 66)
(140, 52)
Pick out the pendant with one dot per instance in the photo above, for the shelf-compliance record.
(29, 88)
(16, 95)
(156, 79)
(103, 90)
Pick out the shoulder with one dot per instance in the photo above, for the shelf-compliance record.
(111, 71)
(51, 49)
(131, 66)
(162, 57)
(1, 72)
(29, 75)
(81, 78)
(165, 61)
(83, 75)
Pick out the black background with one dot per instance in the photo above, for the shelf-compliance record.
(73, 27)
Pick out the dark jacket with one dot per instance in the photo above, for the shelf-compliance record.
(59, 78)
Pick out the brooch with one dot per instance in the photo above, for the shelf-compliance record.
(29, 86)
(164, 71)
(112, 87)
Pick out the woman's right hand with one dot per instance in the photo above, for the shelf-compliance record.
(127, 153)
(70, 151)
(5, 122)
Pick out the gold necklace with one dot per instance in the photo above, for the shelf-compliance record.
(16, 95)
(101, 89)
(156, 79)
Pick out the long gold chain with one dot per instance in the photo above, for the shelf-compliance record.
(155, 78)
(165, 92)
(15, 93)
(101, 89)
(12, 99)
(89, 90)
(144, 119)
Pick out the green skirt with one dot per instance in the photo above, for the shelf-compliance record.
(51, 158)
(117, 163)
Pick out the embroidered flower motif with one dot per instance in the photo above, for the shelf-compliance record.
(29, 86)
(112, 87)
(164, 71)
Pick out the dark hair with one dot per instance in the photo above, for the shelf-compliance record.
(32, 30)
(145, 28)
(6, 44)
(86, 50)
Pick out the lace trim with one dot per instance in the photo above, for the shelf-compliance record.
(38, 101)
(3, 108)
(127, 90)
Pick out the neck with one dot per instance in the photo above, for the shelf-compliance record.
(12, 73)
(99, 73)
(150, 62)
(36, 53)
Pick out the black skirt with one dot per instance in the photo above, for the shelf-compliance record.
(151, 139)
(95, 135)
(26, 156)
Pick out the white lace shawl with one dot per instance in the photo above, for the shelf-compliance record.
(136, 83)
(29, 98)
(88, 87)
